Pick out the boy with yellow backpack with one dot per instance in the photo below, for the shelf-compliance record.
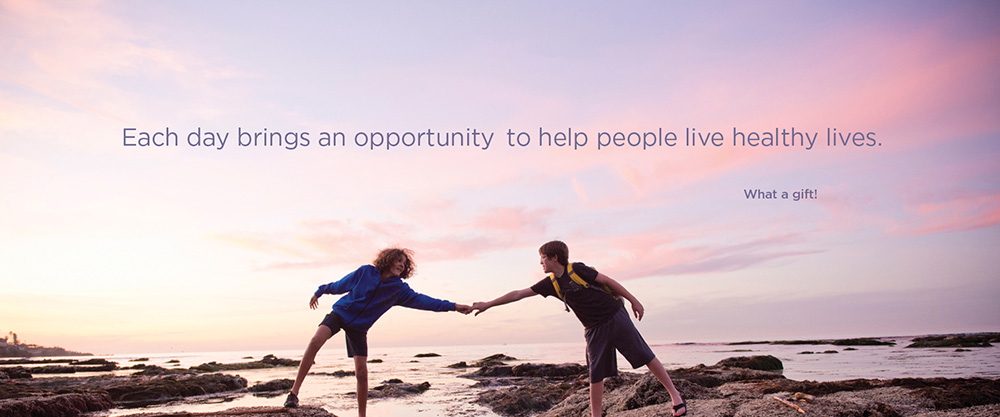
(595, 298)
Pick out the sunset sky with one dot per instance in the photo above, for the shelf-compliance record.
(109, 248)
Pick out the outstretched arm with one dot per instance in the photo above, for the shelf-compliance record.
(617, 288)
(504, 299)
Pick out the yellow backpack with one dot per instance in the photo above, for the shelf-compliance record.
(579, 280)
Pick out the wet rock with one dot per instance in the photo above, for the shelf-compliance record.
(94, 362)
(648, 391)
(268, 361)
(758, 362)
(864, 341)
(33, 361)
(494, 371)
(395, 388)
(151, 370)
(459, 365)
(950, 393)
(531, 370)
(139, 360)
(338, 374)
(173, 361)
(274, 385)
(494, 360)
(276, 361)
(426, 355)
(15, 372)
(548, 370)
(963, 341)
(141, 391)
(528, 399)
(55, 405)
(714, 376)
(374, 361)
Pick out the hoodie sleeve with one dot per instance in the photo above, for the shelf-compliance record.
(342, 285)
(413, 299)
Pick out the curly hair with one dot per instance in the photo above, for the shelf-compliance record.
(386, 257)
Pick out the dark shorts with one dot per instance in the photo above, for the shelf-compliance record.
(357, 342)
(617, 333)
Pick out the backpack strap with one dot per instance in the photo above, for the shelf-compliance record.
(555, 284)
(576, 277)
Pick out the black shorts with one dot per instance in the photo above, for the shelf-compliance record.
(357, 342)
(617, 333)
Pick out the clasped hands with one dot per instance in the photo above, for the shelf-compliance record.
(466, 309)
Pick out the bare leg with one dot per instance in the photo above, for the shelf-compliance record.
(323, 333)
(361, 372)
(596, 396)
(661, 374)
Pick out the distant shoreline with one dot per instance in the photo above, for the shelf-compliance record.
(31, 351)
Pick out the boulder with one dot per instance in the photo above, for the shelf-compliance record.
(548, 370)
(395, 388)
(494, 360)
(273, 385)
(758, 362)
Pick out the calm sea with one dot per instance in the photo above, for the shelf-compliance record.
(451, 395)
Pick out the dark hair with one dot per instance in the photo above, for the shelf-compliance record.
(389, 256)
(557, 249)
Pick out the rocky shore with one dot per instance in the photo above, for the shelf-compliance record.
(22, 395)
(734, 387)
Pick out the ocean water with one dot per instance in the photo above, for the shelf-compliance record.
(452, 395)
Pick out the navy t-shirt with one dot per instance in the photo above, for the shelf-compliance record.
(591, 305)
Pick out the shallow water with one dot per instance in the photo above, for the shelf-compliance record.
(452, 395)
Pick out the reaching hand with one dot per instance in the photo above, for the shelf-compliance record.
(481, 306)
(314, 302)
(463, 308)
(638, 310)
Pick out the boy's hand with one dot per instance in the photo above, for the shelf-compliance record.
(637, 310)
(481, 306)
(462, 308)
(314, 302)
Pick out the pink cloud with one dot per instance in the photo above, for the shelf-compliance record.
(320, 243)
(513, 219)
(656, 252)
(964, 212)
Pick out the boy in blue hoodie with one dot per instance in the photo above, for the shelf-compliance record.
(370, 291)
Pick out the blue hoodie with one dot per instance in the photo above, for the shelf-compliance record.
(369, 297)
